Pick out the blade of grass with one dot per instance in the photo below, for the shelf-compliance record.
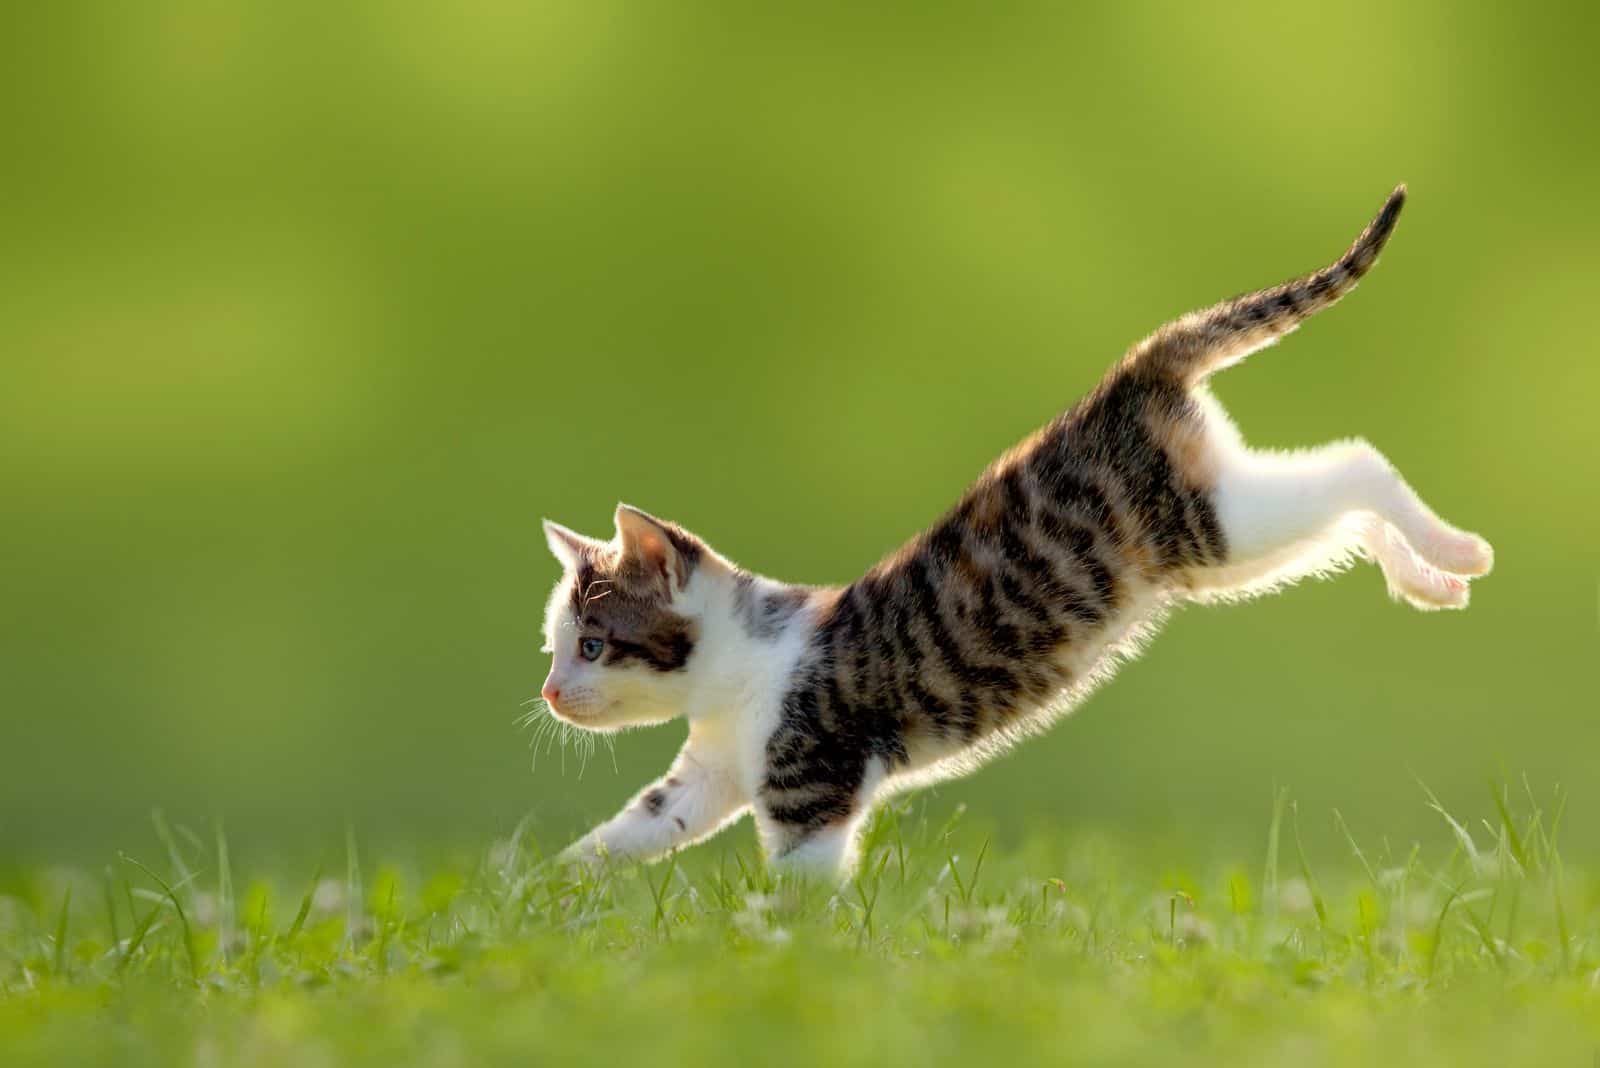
(955, 874)
(977, 866)
(111, 909)
(1561, 913)
(305, 908)
(1502, 804)
(1269, 876)
(1438, 932)
(141, 928)
(1485, 936)
(224, 894)
(659, 893)
(1344, 829)
(183, 920)
(60, 962)
(1317, 902)
(1555, 820)
(1462, 835)
(352, 886)
(180, 867)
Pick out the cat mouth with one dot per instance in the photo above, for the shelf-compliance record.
(582, 713)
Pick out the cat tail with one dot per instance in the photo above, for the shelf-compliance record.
(1203, 342)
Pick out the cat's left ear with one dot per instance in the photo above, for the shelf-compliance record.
(568, 546)
(660, 547)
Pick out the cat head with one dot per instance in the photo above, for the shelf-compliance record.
(623, 622)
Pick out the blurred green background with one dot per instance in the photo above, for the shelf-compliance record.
(308, 313)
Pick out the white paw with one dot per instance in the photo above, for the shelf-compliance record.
(1462, 554)
(1429, 589)
(585, 856)
(1413, 580)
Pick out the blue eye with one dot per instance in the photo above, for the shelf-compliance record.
(591, 648)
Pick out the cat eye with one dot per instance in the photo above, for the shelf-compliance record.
(591, 648)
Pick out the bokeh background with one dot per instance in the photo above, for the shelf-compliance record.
(309, 312)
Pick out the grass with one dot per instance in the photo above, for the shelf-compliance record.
(942, 950)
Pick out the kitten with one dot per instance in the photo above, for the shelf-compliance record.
(807, 705)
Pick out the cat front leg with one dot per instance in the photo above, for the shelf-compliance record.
(693, 801)
(826, 854)
(810, 816)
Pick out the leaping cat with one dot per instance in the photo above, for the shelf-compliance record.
(807, 705)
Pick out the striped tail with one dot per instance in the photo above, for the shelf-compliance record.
(1204, 342)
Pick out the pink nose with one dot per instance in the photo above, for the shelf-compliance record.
(551, 692)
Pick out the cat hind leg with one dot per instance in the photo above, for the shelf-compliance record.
(1288, 515)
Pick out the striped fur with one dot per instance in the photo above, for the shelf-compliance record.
(805, 704)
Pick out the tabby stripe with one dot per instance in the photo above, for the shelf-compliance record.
(954, 657)
(1094, 501)
(1043, 575)
(1013, 591)
(816, 811)
(1000, 636)
(1079, 541)
(1215, 542)
(910, 663)
(1049, 634)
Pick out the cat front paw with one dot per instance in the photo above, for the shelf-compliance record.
(586, 856)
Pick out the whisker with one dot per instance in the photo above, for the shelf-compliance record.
(543, 724)
(588, 593)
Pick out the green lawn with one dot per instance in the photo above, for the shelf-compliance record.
(942, 951)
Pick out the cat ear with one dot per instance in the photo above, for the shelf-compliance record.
(569, 546)
(660, 547)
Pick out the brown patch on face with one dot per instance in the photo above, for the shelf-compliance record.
(631, 608)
